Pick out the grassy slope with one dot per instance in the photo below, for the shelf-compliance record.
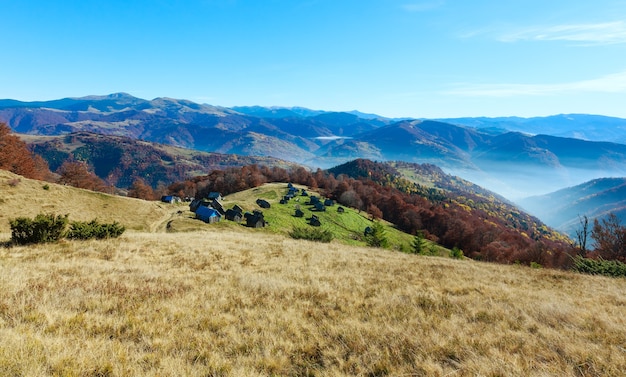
(347, 227)
(221, 303)
(21, 197)
(228, 300)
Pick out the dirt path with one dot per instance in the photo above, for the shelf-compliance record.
(160, 225)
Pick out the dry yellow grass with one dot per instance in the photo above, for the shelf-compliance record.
(223, 302)
(22, 197)
(227, 300)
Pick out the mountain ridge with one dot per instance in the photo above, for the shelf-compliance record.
(563, 209)
(513, 163)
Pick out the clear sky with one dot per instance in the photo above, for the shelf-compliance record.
(397, 58)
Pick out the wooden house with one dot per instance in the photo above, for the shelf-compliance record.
(255, 219)
(314, 221)
(208, 215)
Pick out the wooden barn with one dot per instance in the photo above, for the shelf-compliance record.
(208, 215)
(255, 219)
(233, 215)
(170, 199)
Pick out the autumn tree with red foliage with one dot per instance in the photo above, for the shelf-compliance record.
(610, 238)
(17, 158)
(77, 174)
(439, 215)
(141, 190)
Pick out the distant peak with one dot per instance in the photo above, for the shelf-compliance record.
(120, 95)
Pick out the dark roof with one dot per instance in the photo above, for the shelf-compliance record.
(233, 215)
(205, 213)
(214, 195)
(320, 207)
(255, 220)
(315, 221)
(263, 203)
(218, 206)
(193, 206)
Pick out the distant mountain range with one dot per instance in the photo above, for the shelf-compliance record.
(578, 126)
(564, 208)
(512, 156)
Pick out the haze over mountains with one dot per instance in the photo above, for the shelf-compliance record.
(516, 157)
(565, 208)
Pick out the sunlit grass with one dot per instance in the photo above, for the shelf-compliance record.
(226, 302)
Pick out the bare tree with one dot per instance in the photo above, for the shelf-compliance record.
(581, 235)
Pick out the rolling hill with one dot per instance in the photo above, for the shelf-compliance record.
(120, 160)
(228, 300)
(22, 197)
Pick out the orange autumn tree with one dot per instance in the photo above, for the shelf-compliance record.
(77, 174)
(17, 158)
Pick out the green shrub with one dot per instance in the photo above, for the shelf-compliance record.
(456, 253)
(80, 230)
(43, 228)
(51, 228)
(599, 267)
(417, 244)
(311, 234)
(377, 237)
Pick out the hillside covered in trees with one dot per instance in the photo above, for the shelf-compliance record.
(420, 199)
(483, 226)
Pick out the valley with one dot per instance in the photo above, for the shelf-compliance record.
(506, 155)
(127, 141)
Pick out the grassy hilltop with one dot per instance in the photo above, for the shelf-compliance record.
(227, 300)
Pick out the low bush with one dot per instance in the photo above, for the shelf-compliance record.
(456, 253)
(51, 228)
(43, 228)
(599, 267)
(80, 230)
(311, 234)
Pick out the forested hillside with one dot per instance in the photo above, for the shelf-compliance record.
(484, 228)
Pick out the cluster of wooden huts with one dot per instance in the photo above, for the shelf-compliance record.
(317, 204)
(210, 210)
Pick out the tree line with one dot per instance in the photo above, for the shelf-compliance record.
(479, 234)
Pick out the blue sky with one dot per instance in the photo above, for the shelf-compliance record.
(413, 58)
